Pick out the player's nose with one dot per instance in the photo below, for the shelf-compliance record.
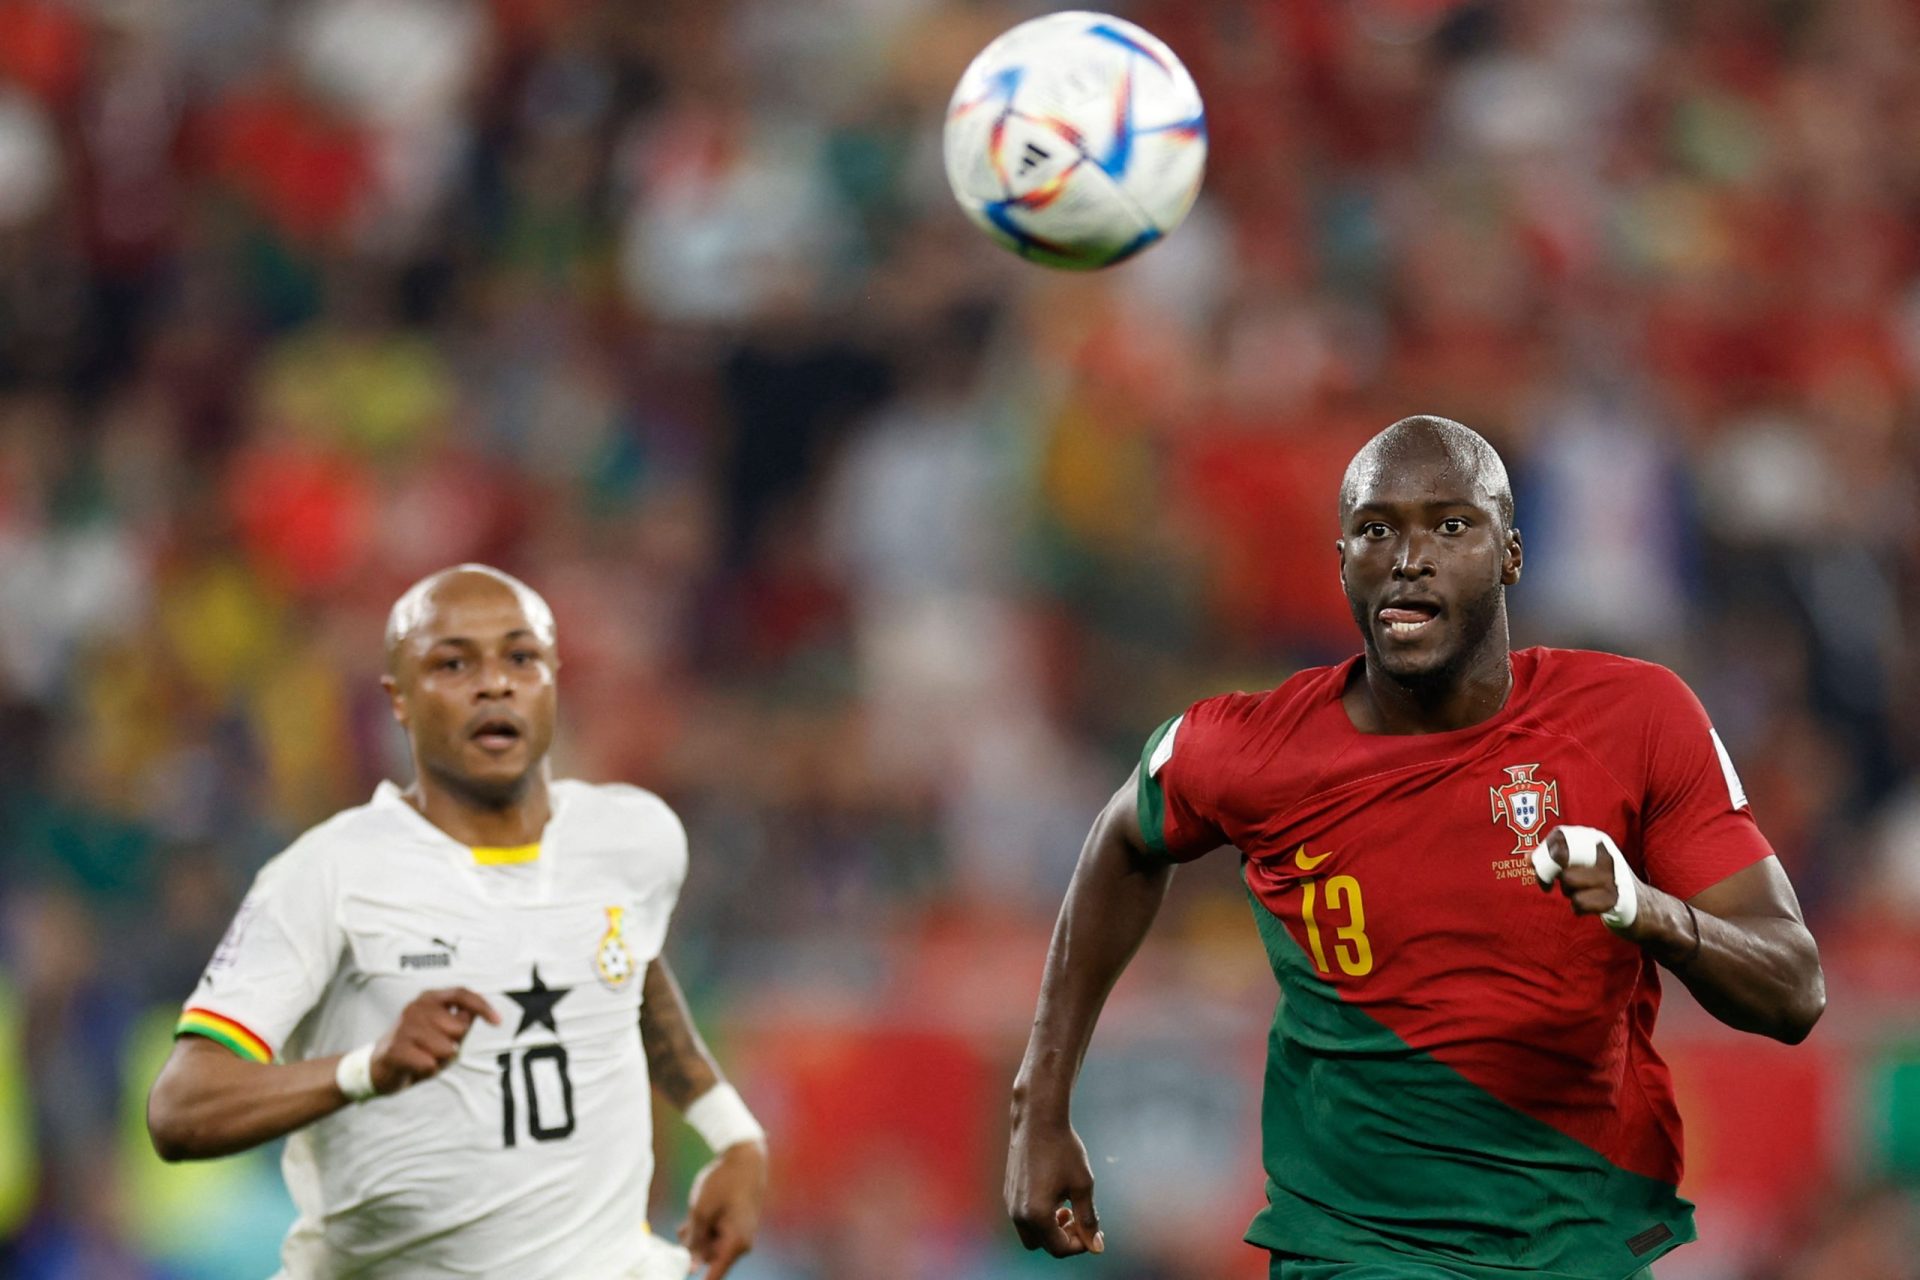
(1414, 559)
(495, 680)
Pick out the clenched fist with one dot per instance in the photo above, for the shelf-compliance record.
(427, 1037)
(1591, 872)
(1049, 1191)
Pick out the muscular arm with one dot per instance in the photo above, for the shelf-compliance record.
(207, 1102)
(1116, 892)
(678, 1060)
(1756, 969)
(723, 1205)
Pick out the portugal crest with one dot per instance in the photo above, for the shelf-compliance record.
(611, 959)
(1523, 803)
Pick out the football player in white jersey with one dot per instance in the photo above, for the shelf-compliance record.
(435, 994)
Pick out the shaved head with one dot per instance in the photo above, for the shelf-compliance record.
(1427, 552)
(1421, 440)
(463, 581)
(471, 674)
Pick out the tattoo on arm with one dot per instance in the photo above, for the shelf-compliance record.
(677, 1058)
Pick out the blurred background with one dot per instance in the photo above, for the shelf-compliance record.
(879, 553)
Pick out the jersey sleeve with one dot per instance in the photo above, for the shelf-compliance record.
(273, 964)
(1182, 781)
(1697, 827)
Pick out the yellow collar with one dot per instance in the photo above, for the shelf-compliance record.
(505, 855)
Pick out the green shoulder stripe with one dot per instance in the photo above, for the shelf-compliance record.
(1152, 799)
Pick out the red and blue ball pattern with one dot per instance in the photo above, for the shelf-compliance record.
(1076, 140)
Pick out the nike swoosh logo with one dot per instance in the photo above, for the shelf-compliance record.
(1302, 861)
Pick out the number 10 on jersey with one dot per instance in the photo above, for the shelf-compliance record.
(548, 1061)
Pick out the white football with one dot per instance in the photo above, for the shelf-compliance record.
(1076, 140)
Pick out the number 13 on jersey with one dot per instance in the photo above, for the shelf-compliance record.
(1351, 949)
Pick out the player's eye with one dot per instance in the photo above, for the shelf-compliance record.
(450, 664)
(1453, 524)
(1373, 530)
(523, 656)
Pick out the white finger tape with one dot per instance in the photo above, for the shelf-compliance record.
(1583, 850)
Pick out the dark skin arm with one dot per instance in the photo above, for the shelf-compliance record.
(1757, 968)
(723, 1207)
(207, 1101)
(1117, 890)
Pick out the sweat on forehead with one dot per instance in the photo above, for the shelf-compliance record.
(415, 605)
(1418, 441)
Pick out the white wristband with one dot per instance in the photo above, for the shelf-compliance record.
(1584, 845)
(354, 1074)
(721, 1118)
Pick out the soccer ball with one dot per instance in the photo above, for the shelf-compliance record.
(1076, 140)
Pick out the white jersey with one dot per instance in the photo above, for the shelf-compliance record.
(530, 1155)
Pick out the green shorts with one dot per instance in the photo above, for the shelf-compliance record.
(1287, 1267)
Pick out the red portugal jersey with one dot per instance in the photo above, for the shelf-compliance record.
(1460, 1068)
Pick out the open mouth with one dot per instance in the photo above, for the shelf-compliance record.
(497, 733)
(1408, 619)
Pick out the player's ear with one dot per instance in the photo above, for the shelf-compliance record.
(1513, 560)
(395, 698)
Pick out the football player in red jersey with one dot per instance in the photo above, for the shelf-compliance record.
(1461, 1080)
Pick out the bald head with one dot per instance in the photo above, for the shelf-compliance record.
(1427, 551)
(464, 583)
(471, 675)
(1421, 441)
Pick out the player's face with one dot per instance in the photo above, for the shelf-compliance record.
(473, 686)
(1423, 559)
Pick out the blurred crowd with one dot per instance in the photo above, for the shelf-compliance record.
(878, 552)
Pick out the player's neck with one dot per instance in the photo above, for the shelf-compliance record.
(1380, 703)
(481, 821)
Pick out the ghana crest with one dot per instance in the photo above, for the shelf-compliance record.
(611, 959)
(1523, 803)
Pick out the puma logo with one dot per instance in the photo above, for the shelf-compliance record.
(442, 959)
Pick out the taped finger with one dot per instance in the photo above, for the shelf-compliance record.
(1585, 847)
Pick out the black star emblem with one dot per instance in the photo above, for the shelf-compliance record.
(536, 1004)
